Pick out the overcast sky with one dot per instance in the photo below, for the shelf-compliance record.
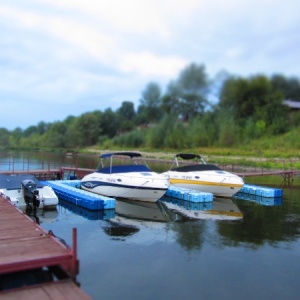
(67, 57)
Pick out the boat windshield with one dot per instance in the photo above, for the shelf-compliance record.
(188, 156)
(198, 167)
(124, 169)
(120, 162)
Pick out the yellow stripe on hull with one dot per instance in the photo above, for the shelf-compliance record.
(225, 213)
(195, 182)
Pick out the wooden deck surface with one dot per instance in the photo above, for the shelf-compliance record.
(24, 245)
(62, 290)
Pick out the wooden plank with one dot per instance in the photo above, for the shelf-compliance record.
(64, 290)
(29, 249)
(24, 245)
(14, 224)
(18, 233)
(22, 222)
(29, 246)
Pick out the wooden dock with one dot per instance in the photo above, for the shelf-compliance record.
(62, 290)
(287, 175)
(26, 248)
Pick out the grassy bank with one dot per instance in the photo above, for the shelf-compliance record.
(271, 159)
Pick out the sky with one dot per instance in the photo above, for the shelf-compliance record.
(61, 58)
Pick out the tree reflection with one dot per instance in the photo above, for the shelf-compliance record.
(190, 234)
(264, 224)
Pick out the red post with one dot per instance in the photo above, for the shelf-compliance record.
(74, 258)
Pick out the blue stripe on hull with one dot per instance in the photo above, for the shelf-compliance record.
(94, 184)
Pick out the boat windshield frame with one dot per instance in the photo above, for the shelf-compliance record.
(110, 157)
(130, 154)
(189, 156)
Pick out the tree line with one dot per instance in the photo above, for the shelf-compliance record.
(184, 116)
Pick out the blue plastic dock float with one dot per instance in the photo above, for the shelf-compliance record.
(189, 195)
(262, 191)
(69, 190)
(103, 214)
(267, 201)
(260, 194)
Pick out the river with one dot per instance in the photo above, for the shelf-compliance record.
(168, 256)
(158, 252)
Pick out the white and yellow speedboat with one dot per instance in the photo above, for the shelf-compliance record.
(203, 177)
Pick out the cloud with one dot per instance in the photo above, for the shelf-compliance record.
(94, 54)
(149, 64)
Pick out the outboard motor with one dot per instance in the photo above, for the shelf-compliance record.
(30, 192)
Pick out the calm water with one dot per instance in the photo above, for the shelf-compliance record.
(252, 252)
(232, 249)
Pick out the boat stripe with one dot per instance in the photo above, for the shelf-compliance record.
(97, 184)
(195, 182)
(226, 213)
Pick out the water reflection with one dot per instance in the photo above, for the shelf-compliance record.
(225, 222)
(219, 209)
(170, 214)
(132, 215)
(40, 215)
(67, 207)
(262, 224)
(142, 210)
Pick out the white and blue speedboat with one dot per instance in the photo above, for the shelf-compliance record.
(125, 175)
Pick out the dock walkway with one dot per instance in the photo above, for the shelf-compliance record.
(27, 247)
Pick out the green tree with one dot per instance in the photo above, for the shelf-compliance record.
(254, 98)
(203, 130)
(85, 130)
(4, 138)
(150, 104)
(109, 123)
(288, 87)
(30, 131)
(126, 115)
(157, 134)
(15, 137)
(42, 127)
(186, 95)
(56, 135)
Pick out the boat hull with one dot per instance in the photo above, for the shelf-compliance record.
(47, 196)
(219, 183)
(147, 187)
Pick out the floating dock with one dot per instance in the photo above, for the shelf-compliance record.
(260, 194)
(189, 195)
(32, 261)
(69, 190)
(262, 191)
(103, 214)
(267, 201)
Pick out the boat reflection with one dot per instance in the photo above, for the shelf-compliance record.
(40, 215)
(141, 210)
(131, 215)
(219, 209)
